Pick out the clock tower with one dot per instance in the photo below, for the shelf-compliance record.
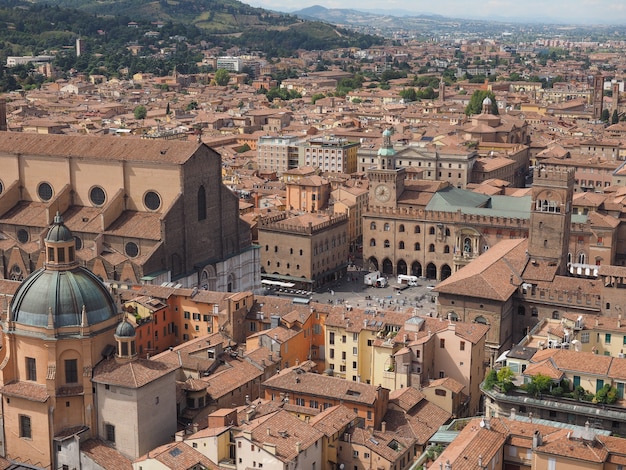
(386, 181)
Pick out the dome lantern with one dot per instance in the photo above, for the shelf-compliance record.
(60, 246)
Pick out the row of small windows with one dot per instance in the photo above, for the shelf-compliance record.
(402, 229)
(269, 263)
(416, 246)
(97, 196)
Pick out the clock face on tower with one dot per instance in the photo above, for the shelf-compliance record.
(382, 193)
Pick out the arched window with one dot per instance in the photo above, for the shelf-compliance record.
(467, 245)
(481, 320)
(373, 226)
(431, 248)
(387, 244)
(201, 203)
(582, 258)
(372, 242)
(386, 227)
(417, 229)
(401, 245)
(417, 246)
(401, 228)
(431, 231)
(446, 249)
(447, 232)
(452, 316)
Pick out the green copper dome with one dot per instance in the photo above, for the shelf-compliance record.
(63, 293)
(56, 295)
(59, 232)
(125, 330)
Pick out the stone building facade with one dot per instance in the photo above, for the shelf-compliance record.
(141, 211)
(308, 249)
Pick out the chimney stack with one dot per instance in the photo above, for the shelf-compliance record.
(383, 426)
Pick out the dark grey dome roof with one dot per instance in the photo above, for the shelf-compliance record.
(59, 232)
(125, 330)
(65, 292)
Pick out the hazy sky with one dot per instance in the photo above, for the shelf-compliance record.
(567, 11)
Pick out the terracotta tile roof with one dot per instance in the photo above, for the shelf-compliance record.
(472, 332)
(333, 419)
(406, 398)
(134, 374)
(239, 373)
(98, 147)
(177, 456)
(104, 455)
(145, 225)
(489, 275)
(447, 382)
(575, 361)
(473, 442)
(547, 368)
(388, 445)
(30, 214)
(285, 431)
(192, 354)
(294, 380)
(28, 390)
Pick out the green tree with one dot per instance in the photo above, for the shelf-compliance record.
(222, 77)
(605, 115)
(408, 94)
(475, 106)
(538, 384)
(317, 96)
(140, 112)
(168, 110)
(615, 117)
(505, 379)
(192, 105)
(491, 379)
(606, 395)
(243, 148)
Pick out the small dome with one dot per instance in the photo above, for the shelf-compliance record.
(125, 330)
(59, 232)
(487, 101)
(387, 133)
(63, 293)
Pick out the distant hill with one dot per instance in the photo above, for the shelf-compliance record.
(228, 22)
(379, 21)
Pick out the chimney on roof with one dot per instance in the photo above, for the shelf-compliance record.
(406, 338)
(269, 431)
(383, 426)
(513, 413)
(619, 320)
(448, 465)
(537, 439)
(179, 436)
(298, 447)
(194, 427)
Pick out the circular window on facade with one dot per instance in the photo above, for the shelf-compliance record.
(79, 243)
(44, 190)
(97, 196)
(22, 236)
(152, 200)
(131, 249)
